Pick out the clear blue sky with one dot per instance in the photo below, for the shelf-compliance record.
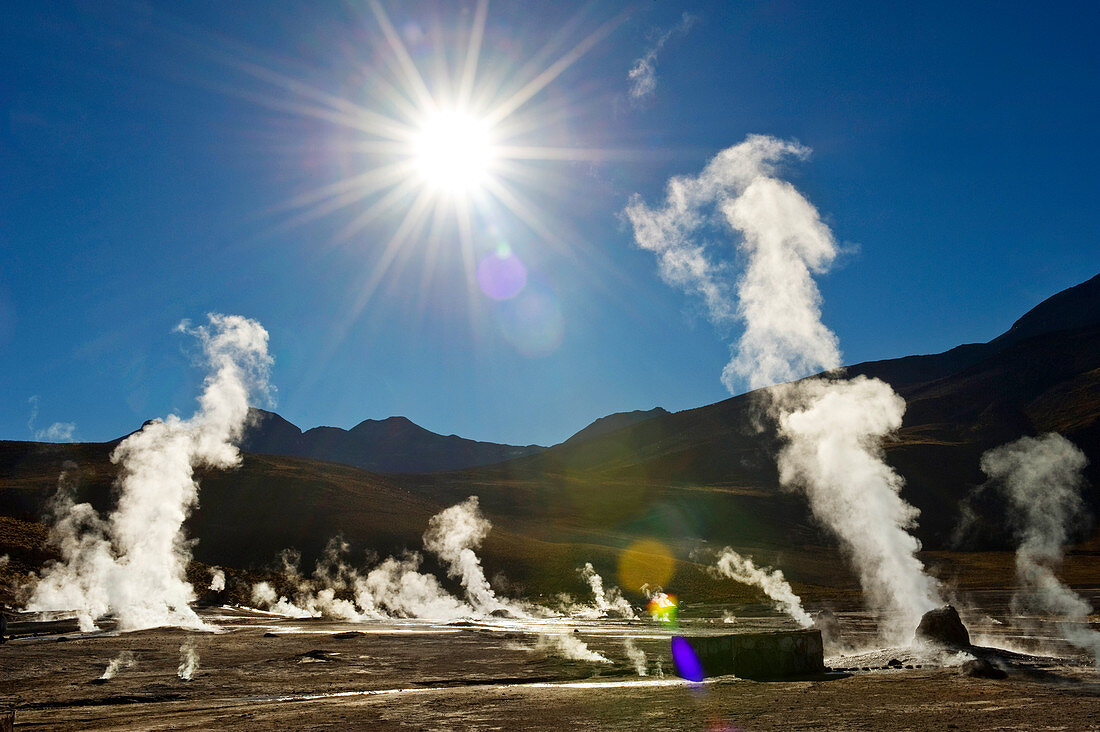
(157, 162)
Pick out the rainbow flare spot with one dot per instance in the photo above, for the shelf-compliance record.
(663, 608)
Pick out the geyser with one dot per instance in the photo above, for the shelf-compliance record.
(832, 428)
(396, 587)
(133, 562)
(770, 581)
(1042, 478)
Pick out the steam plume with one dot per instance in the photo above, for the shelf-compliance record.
(783, 241)
(772, 582)
(832, 428)
(1043, 477)
(189, 661)
(133, 562)
(834, 431)
(453, 535)
(217, 580)
(396, 586)
(122, 661)
(606, 601)
(636, 656)
(568, 646)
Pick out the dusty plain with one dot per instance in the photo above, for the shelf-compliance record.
(259, 671)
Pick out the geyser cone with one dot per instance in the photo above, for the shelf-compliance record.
(943, 627)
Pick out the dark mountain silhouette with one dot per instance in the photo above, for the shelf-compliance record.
(616, 421)
(393, 445)
(1070, 309)
(694, 479)
(1042, 375)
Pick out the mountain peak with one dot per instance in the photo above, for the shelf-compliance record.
(1072, 308)
(392, 445)
(616, 421)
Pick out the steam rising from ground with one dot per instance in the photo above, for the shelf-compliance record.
(1043, 477)
(832, 428)
(636, 656)
(189, 661)
(605, 601)
(772, 582)
(568, 646)
(396, 586)
(217, 580)
(834, 431)
(132, 563)
(122, 661)
(453, 535)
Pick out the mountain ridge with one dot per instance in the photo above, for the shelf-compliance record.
(698, 478)
(392, 445)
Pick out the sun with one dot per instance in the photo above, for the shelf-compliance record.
(453, 152)
(443, 142)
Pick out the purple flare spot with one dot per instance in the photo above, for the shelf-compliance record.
(684, 660)
(501, 277)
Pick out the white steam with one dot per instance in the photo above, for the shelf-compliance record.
(56, 432)
(772, 582)
(833, 452)
(217, 580)
(782, 240)
(453, 535)
(189, 661)
(569, 647)
(636, 656)
(395, 587)
(832, 428)
(605, 601)
(133, 562)
(122, 661)
(1042, 478)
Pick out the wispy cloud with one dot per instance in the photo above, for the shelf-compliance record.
(56, 432)
(643, 74)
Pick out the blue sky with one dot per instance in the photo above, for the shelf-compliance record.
(159, 161)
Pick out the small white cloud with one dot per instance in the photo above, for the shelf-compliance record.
(57, 432)
(643, 74)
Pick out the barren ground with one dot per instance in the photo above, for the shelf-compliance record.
(417, 675)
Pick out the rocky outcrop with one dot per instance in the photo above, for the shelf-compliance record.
(943, 627)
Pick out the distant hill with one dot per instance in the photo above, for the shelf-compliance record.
(616, 421)
(699, 478)
(393, 445)
(1041, 375)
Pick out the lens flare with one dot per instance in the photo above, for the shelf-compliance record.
(663, 609)
(501, 275)
(533, 323)
(685, 661)
(646, 562)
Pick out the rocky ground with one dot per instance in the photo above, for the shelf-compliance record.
(264, 672)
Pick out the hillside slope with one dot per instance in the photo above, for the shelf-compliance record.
(392, 445)
(693, 480)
